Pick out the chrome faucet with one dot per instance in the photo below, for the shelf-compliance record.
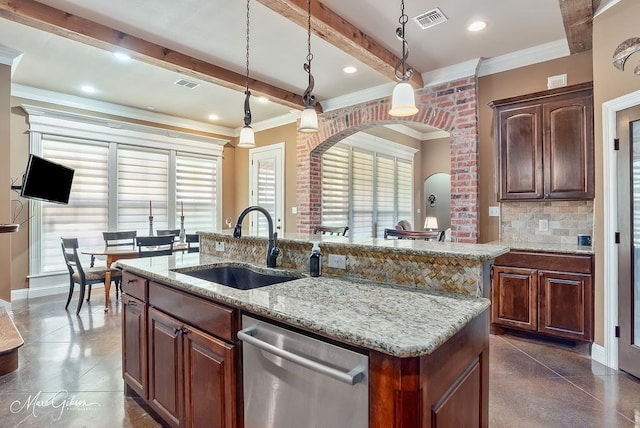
(273, 250)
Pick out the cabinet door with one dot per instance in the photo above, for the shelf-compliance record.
(514, 297)
(134, 344)
(568, 149)
(210, 381)
(165, 366)
(519, 131)
(566, 305)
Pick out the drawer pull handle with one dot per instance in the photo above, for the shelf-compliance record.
(350, 378)
(177, 330)
(131, 303)
(131, 280)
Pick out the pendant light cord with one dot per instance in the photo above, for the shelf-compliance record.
(308, 99)
(247, 109)
(402, 71)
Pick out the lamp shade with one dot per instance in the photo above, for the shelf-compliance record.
(403, 101)
(247, 139)
(431, 223)
(308, 120)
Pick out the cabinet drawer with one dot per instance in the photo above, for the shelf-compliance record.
(210, 317)
(134, 285)
(547, 261)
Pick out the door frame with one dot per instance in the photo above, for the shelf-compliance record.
(608, 355)
(279, 149)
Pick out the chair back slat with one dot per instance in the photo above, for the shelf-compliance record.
(412, 234)
(119, 239)
(193, 242)
(331, 230)
(150, 246)
(169, 232)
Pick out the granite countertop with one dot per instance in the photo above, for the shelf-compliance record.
(394, 320)
(547, 247)
(480, 252)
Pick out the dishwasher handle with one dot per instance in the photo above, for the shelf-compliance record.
(350, 378)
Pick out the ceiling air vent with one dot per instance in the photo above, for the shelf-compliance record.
(186, 83)
(430, 18)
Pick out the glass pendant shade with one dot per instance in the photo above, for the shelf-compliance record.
(308, 120)
(247, 139)
(403, 101)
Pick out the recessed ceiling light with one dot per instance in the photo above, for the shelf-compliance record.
(214, 117)
(477, 26)
(122, 56)
(349, 69)
(88, 89)
(151, 108)
(263, 100)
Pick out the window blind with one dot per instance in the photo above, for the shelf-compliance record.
(85, 217)
(143, 176)
(266, 194)
(404, 191)
(385, 193)
(196, 190)
(335, 186)
(362, 193)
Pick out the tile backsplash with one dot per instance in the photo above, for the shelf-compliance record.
(520, 221)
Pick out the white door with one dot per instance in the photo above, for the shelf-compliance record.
(266, 166)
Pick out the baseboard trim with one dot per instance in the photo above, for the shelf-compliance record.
(31, 293)
(598, 353)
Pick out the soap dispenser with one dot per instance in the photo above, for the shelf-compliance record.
(315, 261)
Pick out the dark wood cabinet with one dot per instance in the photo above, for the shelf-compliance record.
(551, 294)
(134, 344)
(191, 374)
(545, 145)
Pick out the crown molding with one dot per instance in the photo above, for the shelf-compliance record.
(606, 5)
(371, 143)
(452, 72)
(274, 122)
(524, 57)
(73, 101)
(413, 133)
(10, 57)
(358, 97)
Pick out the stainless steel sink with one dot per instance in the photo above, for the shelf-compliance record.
(239, 277)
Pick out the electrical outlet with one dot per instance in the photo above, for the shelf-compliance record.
(219, 246)
(337, 261)
(494, 211)
(294, 210)
(543, 225)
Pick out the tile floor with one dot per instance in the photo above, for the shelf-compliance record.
(78, 360)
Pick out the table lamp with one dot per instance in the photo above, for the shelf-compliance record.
(431, 223)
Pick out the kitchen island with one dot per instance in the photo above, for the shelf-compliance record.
(427, 350)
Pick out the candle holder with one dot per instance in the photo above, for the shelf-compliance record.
(150, 225)
(182, 232)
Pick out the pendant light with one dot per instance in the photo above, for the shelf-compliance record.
(403, 101)
(309, 117)
(247, 138)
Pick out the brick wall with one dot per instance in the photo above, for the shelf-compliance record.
(451, 107)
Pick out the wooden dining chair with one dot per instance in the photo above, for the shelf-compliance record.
(79, 275)
(193, 242)
(412, 234)
(331, 230)
(166, 232)
(120, 239)
(150, 246)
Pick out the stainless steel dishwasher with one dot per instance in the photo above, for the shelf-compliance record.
(292, 380)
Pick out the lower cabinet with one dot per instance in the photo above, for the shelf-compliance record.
(134, 344)
(551, 294)
(191, 376)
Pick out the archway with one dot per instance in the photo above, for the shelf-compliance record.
(451, 107)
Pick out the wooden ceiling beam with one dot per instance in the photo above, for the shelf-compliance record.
(46, 18)
(577, 16)
(332, 28)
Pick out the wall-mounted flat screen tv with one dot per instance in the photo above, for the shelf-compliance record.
(46, 181)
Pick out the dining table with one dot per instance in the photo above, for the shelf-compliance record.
(111, 254)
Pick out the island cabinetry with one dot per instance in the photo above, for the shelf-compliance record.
(545, 145)
(192, 375)
(546, 293)
(447, 388)
(134, 334)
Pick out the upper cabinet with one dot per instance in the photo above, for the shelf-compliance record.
(545, 145)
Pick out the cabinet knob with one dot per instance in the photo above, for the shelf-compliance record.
(131, 303)
(177, 330)
(184, 331)
(131, 280)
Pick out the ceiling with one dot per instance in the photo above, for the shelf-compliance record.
(67, 44)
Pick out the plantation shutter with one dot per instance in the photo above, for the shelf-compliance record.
(196, 190)
(335, 186)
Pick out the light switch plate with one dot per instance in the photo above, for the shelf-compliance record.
(338, 262)
(543, 225)
(494, 211)
(219, 246)
(294, 210)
